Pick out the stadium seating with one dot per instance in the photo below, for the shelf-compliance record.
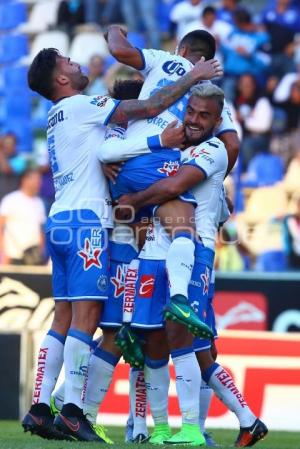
(12, 47)
(87, 44)
(15, 76)
(12, 14)
(42, 16)
(55, 39)
(271, 261)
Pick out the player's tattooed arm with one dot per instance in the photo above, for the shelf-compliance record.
(161, 191)
(121, 48)
(166, 96)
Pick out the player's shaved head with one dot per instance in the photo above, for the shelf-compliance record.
(126, 89)
(41, 70)
(197, 43)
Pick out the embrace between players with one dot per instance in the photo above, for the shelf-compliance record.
(177, 142)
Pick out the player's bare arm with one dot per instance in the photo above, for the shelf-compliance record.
(166, 189)
(121, 48)
(165, 97)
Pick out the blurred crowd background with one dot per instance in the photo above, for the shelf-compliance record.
(259, 46)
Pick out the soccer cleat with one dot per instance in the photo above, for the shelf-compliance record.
(130, 346)
(179, 310)
(209, 441)
(248, 436)
(189, 435)
(101, 432)
(39, 421)
(73, 423)
(140, 439)
(129, 431)
(161, 433)
(54, 410)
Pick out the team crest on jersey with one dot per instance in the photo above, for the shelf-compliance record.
(99, 101)
(169, 168)
(91, 251)
(205, 277)
(118, 280)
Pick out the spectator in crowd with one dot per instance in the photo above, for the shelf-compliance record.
(283, 89)
(292, 225)
(228, 255)
(22, 215)
(96, 76)
(70, 14)
(254, 113)
(11, 164)
(145, 11)
(292, 176)
(184, 13)
(209, 22)
(282, 21)
(226, 10)
(242, 52)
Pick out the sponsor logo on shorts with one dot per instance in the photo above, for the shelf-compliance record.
(146, 286)
(91, 251)
(205, 277)
(169, 168)
(102, 283)
(118, 281)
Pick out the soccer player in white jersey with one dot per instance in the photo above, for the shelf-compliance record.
(77, 230)
(204, 165)
(162, 68)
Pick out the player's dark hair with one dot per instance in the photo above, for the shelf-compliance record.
(200, 42)
(208, 10)
(242, 16)
(126, 89)
(40, 73)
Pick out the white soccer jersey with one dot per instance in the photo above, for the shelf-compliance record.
(211, 158)
(162, 68)
(76, 128)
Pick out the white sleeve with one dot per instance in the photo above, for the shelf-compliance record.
(227, 123)
(42, 212)
(117, 148)
(282, 91)
(260, 119)
(210, 157)
(151, 59)
(5, 207)
(94, 110)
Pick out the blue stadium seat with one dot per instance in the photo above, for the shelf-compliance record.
(271, 261)
(137, 39)
(12, 47)
(15, 77)
(17, 103)
(12, 14)
(264, 169)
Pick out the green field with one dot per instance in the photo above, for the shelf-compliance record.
(13, 437)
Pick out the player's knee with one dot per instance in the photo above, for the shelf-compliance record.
(205, 359)
(86, 316)
(156, 346)
(178, 336)
(62, 318)
(108, 342)
(214, 351)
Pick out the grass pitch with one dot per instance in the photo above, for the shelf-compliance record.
(13, 437)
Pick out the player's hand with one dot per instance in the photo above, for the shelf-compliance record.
(173, 136)
(122, 30)
(126, 208)
(206, 70)
(111, 171)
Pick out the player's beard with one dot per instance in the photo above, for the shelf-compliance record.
(79, 81)
(196, 137)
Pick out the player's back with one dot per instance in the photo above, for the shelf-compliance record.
(74, 132)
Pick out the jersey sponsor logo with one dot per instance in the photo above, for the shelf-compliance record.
(102, 283)
(169, 168)
(99, 101)
(205, 277)
(91, 253)
(64, 180)
(146, 286)
(150, 237)
(202, 153)
(171, 67)
(118, 281)
(56, 118)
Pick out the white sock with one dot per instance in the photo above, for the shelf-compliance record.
(157, 379)
(50, 360)
(59, 396)
(100, 371)
(138, 401)
(76, 357)
(222, 384)
(188, 381)
(205, 400)
(179, 263)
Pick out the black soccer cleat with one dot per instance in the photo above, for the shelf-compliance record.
(73, 423)
(248, 436)
(39, 421)
(140, 439)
